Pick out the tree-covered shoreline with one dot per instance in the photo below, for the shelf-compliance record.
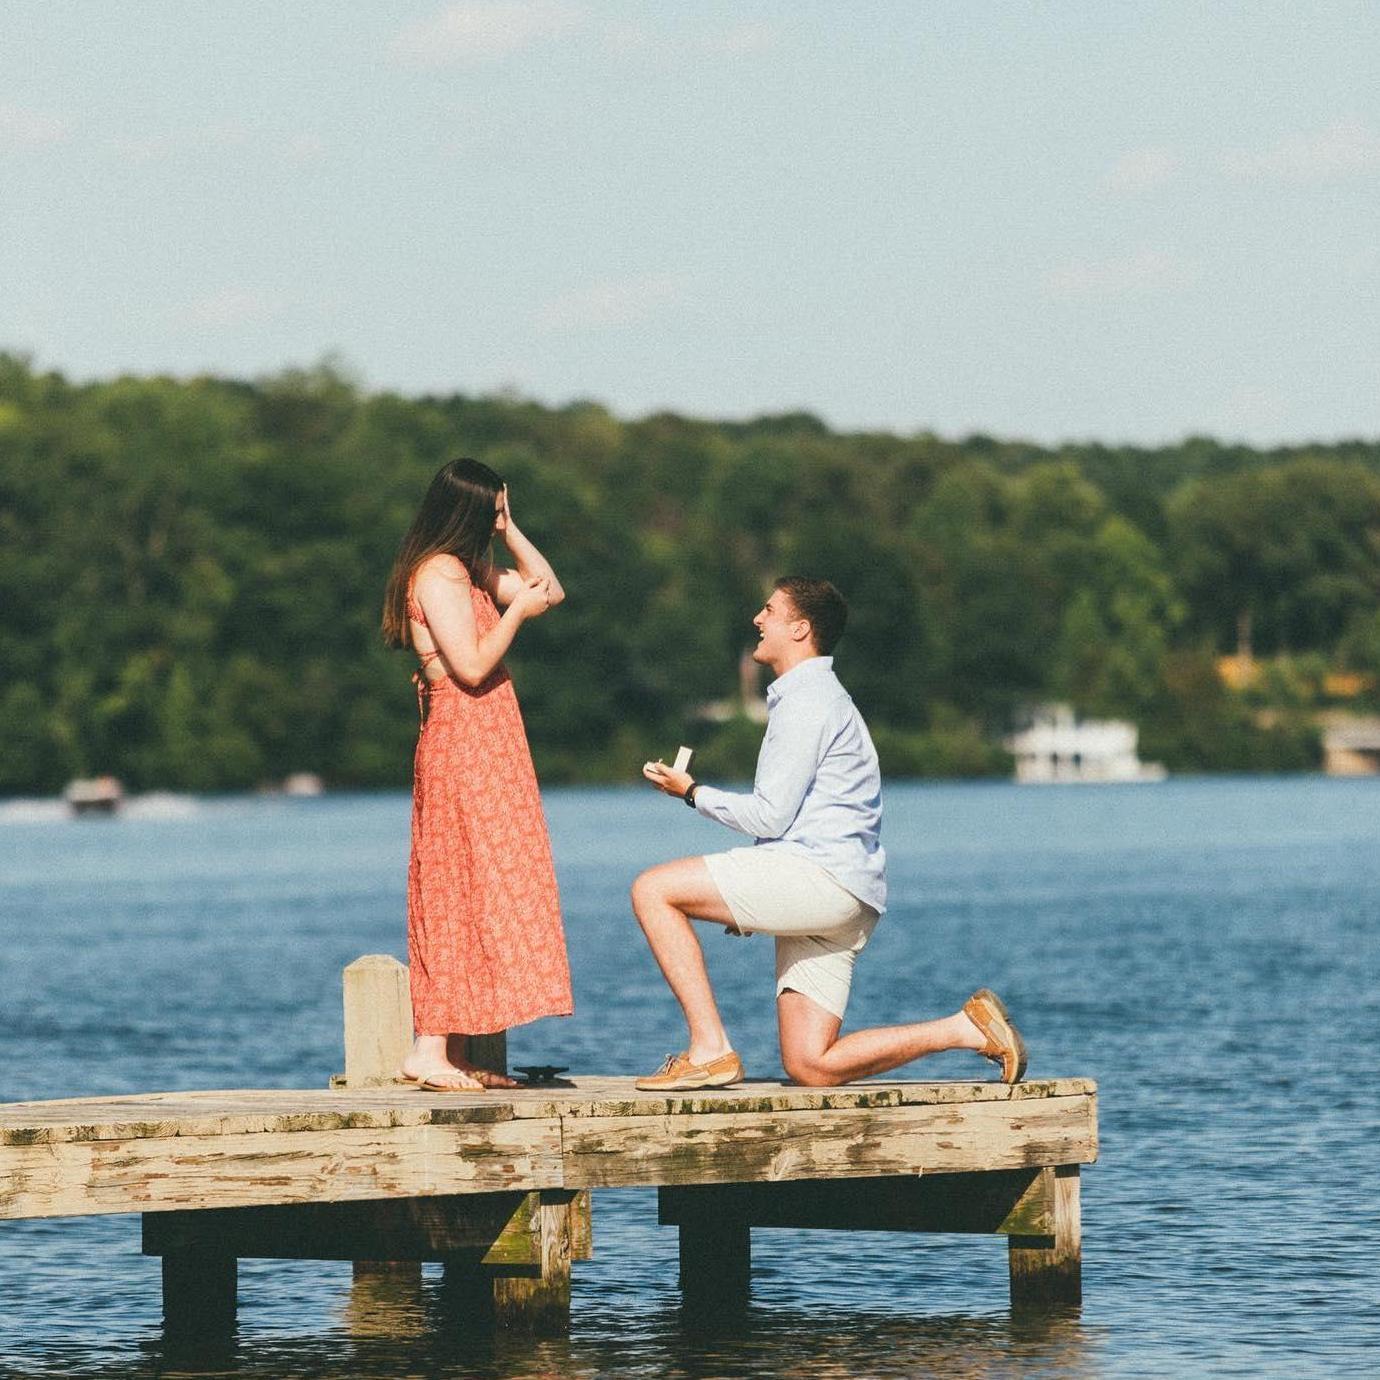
(191, 574)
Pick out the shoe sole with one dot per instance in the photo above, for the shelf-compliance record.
(990, 998)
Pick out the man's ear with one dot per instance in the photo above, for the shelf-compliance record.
(801, 629)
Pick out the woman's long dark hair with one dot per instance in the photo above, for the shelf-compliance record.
(457, 517)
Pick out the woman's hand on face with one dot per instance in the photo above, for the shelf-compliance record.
(534, 598)
(505, 517)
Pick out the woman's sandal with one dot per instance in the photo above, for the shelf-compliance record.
(486, 1078)
(445, 1082)
(491, 1080)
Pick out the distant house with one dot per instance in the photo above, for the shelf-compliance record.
(1057, 748)
(1351, 744)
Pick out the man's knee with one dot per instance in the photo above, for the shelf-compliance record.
(807, 1070)
(808, 1033)
(647, 891)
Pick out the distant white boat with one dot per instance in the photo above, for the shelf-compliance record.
(303, 784)
(96, 795)
(1057, 748)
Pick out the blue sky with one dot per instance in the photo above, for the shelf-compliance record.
(1046, 220)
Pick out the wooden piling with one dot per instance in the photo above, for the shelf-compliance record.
(378, 1020)
(1047, 1269)
(200, 1288)
(715, 1264)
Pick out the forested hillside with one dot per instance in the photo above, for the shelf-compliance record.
(191, 575)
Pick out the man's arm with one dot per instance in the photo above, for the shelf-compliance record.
(786, 768)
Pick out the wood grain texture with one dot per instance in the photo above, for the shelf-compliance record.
(151, 1115)
(715, 1147)
(378, 1018)
(242, 1170)
(167, 1151)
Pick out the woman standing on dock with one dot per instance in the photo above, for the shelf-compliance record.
(484, 936)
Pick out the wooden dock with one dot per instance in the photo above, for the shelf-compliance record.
(497, 1184)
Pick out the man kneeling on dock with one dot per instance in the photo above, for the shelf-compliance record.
(815, 879)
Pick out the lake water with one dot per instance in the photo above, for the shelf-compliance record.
(1208, 950)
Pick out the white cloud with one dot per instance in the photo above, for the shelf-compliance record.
(1143, 170)
(475, 31)
(22, 129)
(1143, 271)
(226, 308)
(1346, 148)
(611, 303)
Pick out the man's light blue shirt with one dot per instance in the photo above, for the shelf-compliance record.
(818, 789)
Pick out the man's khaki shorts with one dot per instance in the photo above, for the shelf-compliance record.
(820, 927)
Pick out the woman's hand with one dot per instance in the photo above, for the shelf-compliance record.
(505, 517)
(534, 598)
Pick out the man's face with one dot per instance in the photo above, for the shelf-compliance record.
(778, 627)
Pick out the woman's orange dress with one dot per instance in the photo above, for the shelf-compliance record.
(484, 936)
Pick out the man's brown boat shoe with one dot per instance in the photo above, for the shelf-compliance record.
(1004, 1044)
(678, 1074)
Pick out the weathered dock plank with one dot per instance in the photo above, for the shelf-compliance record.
(159, 1114)
(301, 1165)
(847, 1142)
(170, 1151)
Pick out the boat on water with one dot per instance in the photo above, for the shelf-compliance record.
(1057, 748)
(95, 795)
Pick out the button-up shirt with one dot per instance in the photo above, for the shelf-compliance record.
(818, 789)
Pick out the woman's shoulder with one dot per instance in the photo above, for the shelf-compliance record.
(441, 567)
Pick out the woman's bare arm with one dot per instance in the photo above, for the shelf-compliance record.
(443, 590)
(531, 564)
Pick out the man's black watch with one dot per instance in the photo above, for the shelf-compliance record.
(689, 796)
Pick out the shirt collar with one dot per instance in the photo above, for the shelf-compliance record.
(797, 676)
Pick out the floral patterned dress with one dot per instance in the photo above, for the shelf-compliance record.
(485, 942)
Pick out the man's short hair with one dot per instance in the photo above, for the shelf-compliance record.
(820, 605)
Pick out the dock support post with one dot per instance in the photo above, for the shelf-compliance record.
(715, 1264)
(1048, 1270)
(378, 1034)
(541, 1303)
(378, 1026)
(199, 1293)
(483, 1291)
(378, 1019)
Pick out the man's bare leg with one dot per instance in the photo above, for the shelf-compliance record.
(664, 899)
(813, 1054)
